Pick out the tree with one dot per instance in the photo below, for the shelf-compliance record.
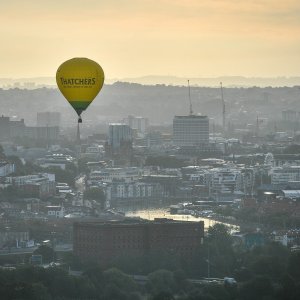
(47, 253)
(96, 194)
(268, 266)
(161, 281)
(259, 288)
(95, 275)
(67, 176)
(122, 281)
(2, 154)
(219, 249)
(293, 266)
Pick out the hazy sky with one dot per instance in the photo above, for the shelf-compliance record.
(189, 38)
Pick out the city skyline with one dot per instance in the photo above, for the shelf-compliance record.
(138, 38)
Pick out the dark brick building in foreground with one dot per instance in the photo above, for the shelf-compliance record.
(104, 241)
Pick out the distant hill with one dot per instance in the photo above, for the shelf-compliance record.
(228, 81)
(160, 103)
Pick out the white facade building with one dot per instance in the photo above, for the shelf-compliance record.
(285, 174)
(6, 169)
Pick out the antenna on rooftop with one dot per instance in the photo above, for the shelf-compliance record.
(191, 107)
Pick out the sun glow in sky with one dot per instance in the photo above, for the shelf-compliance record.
(129, 38)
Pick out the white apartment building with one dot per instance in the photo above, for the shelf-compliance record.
(6, 168)
(226, 180)
(285, 174)
(108, 175)
(122, 190)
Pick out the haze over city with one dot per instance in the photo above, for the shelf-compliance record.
(150, 150)
(140, 37)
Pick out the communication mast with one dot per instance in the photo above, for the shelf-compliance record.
(223, 103)
(191, 107)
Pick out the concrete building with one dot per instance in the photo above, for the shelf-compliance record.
(108, 175)
(51, 119)
(140, 124)
(225, 182)
(37, 185)
(55, 160)
(192, 130)
(285, 174)
(17, 129)
(121, 190)
(42, 133)
(10, 129)
(118, 133)
(119, 145)
(102, 242)
(6, 168)
(290, 115)
(55, 211)
(10, 238)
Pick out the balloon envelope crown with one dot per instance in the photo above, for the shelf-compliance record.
(80, 80)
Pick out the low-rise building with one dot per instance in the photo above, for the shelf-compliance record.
(38, 185)
(102, 242)
(6, 168)
(55, 211)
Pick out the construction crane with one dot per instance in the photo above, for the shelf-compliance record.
(223, 103)
(191, 107)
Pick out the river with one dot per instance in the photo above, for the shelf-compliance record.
(160, 210)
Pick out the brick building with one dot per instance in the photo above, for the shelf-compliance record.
(103, 241)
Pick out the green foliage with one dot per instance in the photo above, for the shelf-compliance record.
(9, 193)
(47, 252)
(147, 263)
(266, 272)
(117, 285)
(293, 267)
(259, 288)
(94, 194)
(268, 266)
(82, 165)
(2, 154)
(160, 281)
(120, 279)
(219, 248)
(68, 175)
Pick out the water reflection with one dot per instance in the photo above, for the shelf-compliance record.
(160, 210)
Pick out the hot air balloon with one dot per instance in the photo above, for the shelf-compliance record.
(80, 80)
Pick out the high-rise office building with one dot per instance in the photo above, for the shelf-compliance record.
(191, 130)
(118, 133)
